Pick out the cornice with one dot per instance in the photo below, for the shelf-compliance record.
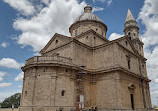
(89, 71)
(83, 21)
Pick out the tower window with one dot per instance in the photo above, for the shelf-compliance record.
(143, 68)
(134, 34)
(63, 93)
(76, 33)
(129, 67)
(129, 35)
(96, 29)
(126, 43)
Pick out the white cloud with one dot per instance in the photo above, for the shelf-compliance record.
(149, 18)
(109, 2)
(97, 9)
(25, 7)
(2, 85)
(54, 17)
(10, 63)
(114, 36)
(4, 44)
(156, 80)
(19, 77)
(104, 1)
(2, 74)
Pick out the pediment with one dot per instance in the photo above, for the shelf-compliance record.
(126, 43)
(91, 38)
(56, 41)
(131, 86)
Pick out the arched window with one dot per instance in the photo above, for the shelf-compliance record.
(75, 32)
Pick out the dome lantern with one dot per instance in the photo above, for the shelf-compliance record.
(88, 9)
(87, 21)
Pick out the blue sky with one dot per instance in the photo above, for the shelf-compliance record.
(27, 25)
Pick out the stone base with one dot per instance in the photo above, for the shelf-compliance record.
(49, 108)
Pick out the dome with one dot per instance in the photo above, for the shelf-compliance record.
(88, 15)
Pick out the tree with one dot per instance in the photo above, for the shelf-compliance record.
(14, 99)
(154, 106)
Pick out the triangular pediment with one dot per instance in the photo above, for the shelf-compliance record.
(91, 38)
(56, 41)
(125, 42)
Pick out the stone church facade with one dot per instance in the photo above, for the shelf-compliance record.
(87, 70)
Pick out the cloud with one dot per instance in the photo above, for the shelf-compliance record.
(149, 18)
(2, 85)
(109, 2)
(114, 36)
(4, 44)
(55, 16)
(104, 1)
(97, 9)
(19, 77)
(156, 80)
(10, 63)
(25, 7)
(2, 74)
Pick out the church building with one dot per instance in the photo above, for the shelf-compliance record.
(88, 70)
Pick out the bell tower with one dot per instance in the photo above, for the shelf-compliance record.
(131, 30)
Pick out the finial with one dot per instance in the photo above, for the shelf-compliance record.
(88, 9)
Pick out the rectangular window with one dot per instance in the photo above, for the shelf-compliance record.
(132, 101)
(129, 66)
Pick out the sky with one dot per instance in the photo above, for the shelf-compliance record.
(27, 25)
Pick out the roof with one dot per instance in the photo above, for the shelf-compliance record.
(129, 16)
(88, 15)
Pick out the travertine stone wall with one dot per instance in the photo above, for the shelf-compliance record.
(82, 56)
(126, 81)
(45, 89)
(105, 57)
(123, 60)
(65, 51)
(107, 90)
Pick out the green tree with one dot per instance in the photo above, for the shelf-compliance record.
(14, 99)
